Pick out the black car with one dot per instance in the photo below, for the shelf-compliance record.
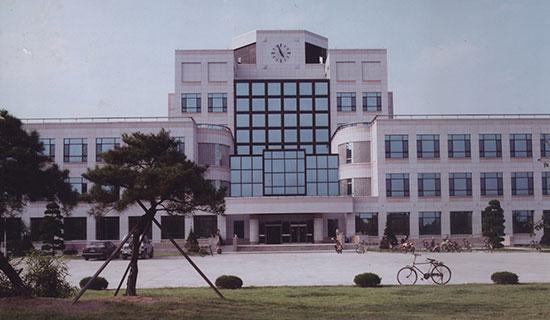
(98, 250)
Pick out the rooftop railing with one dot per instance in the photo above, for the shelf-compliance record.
(102, 119)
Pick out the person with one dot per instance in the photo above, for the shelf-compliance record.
(217, 241)
(339, 237)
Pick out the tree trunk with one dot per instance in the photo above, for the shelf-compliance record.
(132, 277)
(20, 288)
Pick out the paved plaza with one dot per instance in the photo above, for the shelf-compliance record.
(314, 268)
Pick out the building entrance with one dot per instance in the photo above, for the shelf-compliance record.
(273, 234)
(298, 233)
(285, 231)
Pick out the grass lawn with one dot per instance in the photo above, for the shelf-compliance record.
(527, 301)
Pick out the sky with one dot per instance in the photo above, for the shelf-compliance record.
(116, 58)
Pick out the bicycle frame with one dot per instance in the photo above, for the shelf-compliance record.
(414, 265)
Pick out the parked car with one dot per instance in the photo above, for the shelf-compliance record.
(146, 249)
(98, 250)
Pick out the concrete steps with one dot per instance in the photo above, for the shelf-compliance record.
(288, 247)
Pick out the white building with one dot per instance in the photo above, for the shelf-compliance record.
(306, 140)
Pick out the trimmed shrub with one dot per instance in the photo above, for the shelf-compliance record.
(46, 275)
(70, 251)
(504, 277)
(99, 283)
(367, 280)
(229, 282)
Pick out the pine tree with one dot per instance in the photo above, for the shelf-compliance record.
(389, 237)
(493, 224)
(51, 229)
(192, 244)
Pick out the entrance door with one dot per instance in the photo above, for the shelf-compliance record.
(273, 234)
(298, 233)
(332, 226)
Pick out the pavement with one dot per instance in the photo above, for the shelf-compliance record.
(314, 268)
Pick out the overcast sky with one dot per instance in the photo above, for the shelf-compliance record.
(116, 58)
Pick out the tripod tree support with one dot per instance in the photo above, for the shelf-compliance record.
(111, 257)
(190, 261)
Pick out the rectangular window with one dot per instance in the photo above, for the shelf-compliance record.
(35, 229)
(348, 152)
(78, 184)
(242, 88)
(521, 145)
(397, 184)
(246, 176)
(491, 184)
(103, 145)
(345, 101)
(461, 222)
(429, 185)
(75, 150)
(217, 102)
(546, 183)
(180, 144)
(490, 146)
(459, 145)
(349, 187)
(191, 102)
(107, 228)
(523, 221)
(366, 223)
(173, 227)
(284, 173)
(372, 101)
(427, 146)
(134, 220)
(205, 226)
(397, 146)
(429, 223)
(322, 175)
(75, 228)
(545, 145)
(522, 183)
(48, 147)
(238, 228)
(460, 184)
(399, 222)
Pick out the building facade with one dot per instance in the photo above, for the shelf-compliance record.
(305, 139)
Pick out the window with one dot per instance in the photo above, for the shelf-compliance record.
(427, 145)
(429, 223)
(521, 145)
(241, 88)
(180, 144)
(490, 146)
(397, 185)
(372, 101)
(284, 173)
(48, 147)
(397, 146)
(461, 222)
(522, 221)
(522, 183)
(75, 150)
(322, 175)
(258, 88)
(345, 101)
(546, 183)
(274, 88)
(191, 102)
(429, 185)
(459, 145)
(366, 223)
(103, 145)
(491, 184)
(460, 184)
(348, 152)
(238, 229)
(306, 88)
(107, 228)
(321, 88)
(399, 222)
(134, 220)
(75, 228)
(545, 145)
(35, 229)
(246, 176)
(173, 227)
(289, 88)
(217, 102)
(78, 184)
(205, 226)
(349, 186)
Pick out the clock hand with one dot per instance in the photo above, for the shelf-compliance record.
(280, 51)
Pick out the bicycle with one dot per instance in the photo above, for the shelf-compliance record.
(439, 272)
(361, 247)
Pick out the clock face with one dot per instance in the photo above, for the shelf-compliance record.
(280, 53)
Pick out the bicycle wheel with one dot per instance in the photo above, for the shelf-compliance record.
(407, 276)
(360, 249)
(441, 274)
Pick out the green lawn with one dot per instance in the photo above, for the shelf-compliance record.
(528, 301)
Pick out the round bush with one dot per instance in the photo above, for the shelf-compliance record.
(229, 282)
(504, 277)
(367, 280)
(98, 284)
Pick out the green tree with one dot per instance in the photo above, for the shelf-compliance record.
(389, 240)
(192, 244)
(26, 175)
(150, 172)
(51, 229)
(493, 224)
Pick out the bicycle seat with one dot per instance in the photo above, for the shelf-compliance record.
(430, 259)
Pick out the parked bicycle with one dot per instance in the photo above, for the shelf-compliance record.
(361, 247)
(535, 245)
(437, 271)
